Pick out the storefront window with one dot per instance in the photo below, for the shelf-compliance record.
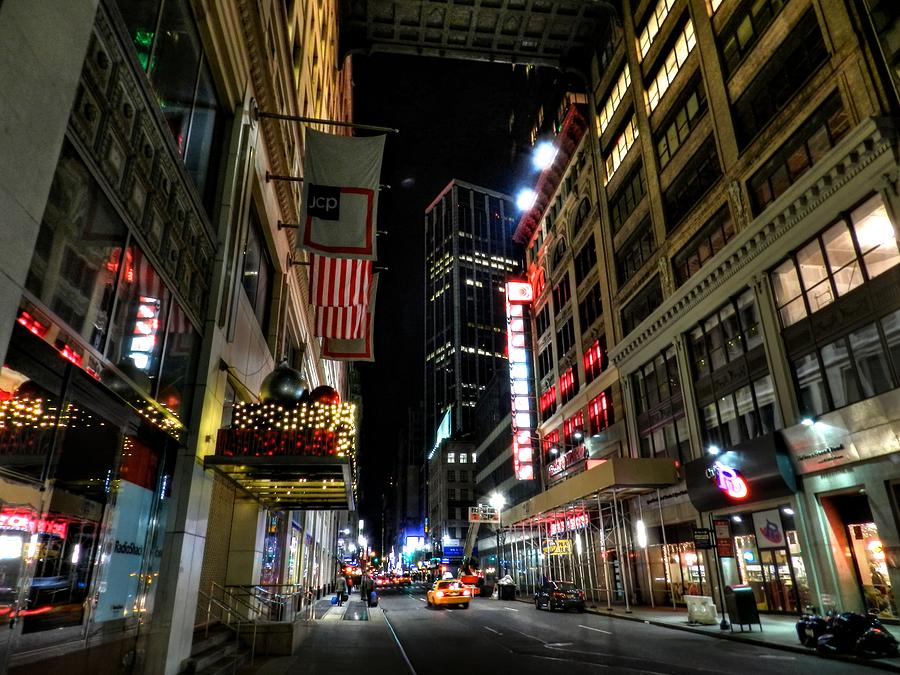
(871, 564)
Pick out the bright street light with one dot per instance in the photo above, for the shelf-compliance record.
(544, 154)
(526, 199)
(497, 500)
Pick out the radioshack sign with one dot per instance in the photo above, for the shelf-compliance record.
(519, 294)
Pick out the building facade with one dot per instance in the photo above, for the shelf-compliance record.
(746, 220)
(146, 290)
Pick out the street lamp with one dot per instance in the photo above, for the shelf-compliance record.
(544, 154)
(526, 199)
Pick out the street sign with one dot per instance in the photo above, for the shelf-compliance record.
(453, 551)
(724, 542)
(703, 538)
(558, 547)
(483, 514)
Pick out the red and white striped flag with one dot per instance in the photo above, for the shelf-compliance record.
(343, 323)
(339, 282)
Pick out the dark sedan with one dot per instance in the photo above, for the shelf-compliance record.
(559, 595)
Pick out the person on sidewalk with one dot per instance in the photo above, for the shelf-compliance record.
(341, 589)
(366, 587)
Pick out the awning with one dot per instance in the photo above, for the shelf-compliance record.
(624, 476)
(289, 483)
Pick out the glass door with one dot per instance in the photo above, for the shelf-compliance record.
(781, 593)
(871, 566)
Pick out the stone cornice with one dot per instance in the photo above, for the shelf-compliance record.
(870, 140)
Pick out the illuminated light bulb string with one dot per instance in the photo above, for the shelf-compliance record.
(272, 429)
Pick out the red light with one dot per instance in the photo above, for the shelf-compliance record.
(69, 355)
(467, 593)
(31, 324)
(519, 292)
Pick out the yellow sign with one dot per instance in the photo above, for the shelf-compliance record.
(558, 547)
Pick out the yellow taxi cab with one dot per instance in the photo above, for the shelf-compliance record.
(449, 592)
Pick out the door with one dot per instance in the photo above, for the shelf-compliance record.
(778, 581)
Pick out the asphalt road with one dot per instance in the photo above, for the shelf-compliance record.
(513, 638)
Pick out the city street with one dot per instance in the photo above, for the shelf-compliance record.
(503, 637)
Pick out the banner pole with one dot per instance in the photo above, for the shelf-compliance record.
(256, 113)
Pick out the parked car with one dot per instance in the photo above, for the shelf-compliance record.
(559, 595)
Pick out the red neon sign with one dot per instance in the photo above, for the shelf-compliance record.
(27, 523)
(730, 481)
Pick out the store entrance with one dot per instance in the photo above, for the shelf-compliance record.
(858, 528)
(779, 583)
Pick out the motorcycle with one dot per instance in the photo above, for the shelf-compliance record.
(811, 626)
(859, 634)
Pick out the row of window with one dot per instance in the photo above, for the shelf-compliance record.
(635, 252)
(620, 147)
(744, 29)
(673, 62)
(591, 308)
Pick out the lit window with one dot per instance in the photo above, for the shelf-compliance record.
(473, 458)
(620, 147)
(451, 458)
(462, 458)
(614, 99)
(599, 413)
(670, 67)
(655, 22)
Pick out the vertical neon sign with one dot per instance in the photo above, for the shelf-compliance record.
(519, 294)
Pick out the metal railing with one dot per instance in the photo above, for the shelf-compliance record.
(225, 611)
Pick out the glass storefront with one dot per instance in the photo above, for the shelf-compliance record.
(767, 557)
(676, 567)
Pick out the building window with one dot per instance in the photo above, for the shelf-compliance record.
(693, 181)
(859, 247)
(743, 31)
(572, 426)
(451, 476)
(565, 337)
(550, 445)
(676, 128)
(673, 62)
(451, 496)
(568, 385)
(591, 308)
(635, 252)
(662, 428)
(733, 387)
(711, 239)
(256, 276)
(625, 201)
(584, 209)
(804, 148)
(594, 361)
(641, 306)
(600, 412)
(615, 97)
(654, 23)
(545, 361)
(548, 402)
(561, 294)
(620, 147)
(792, 63)
(585, 260)
(559, 252)
(542, 320)
(451, 458)
(463, 458)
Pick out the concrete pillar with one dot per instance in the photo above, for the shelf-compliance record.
(44, 44)
(779, 366)
(247, 538)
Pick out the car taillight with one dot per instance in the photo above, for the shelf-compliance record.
(439, 594)
(466, 593)
(559, 595)
(581, 595)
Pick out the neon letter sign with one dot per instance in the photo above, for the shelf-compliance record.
(729, 481)
(519, 293)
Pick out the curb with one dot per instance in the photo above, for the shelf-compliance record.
(796, 649)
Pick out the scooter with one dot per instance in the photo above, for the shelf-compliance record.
(811, 626)
(859, 634)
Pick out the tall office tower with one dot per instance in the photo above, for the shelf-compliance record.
(469, 254)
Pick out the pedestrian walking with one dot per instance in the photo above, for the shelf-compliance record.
(341, 589)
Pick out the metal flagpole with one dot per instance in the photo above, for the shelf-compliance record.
(256, 113)
(665, 551)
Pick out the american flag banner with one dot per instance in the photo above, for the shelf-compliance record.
(339, 282)
(361, 349)
(345, 323)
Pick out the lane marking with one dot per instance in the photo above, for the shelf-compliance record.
(400, 646)
(781, 658)
(510, 609)
(553, 645)
(533, 637)
(422, 599)
(599, 630)
(492, 630)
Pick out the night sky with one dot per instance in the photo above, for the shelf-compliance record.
(453, 118)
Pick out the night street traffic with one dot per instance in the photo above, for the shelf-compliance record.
(495, 636)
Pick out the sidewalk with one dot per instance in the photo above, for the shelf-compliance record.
(338, 642)
(778, 631)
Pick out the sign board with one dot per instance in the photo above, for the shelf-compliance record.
(453, 551)
(768, 529)
(568, 460)
(558, 547)
(724, 542)
(703, 538)
(570, 523)
(519, 294)
(483, 514)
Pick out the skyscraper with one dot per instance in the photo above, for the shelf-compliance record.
(469, 253)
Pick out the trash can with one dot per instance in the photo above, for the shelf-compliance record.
(741, 606)
(507, 591)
